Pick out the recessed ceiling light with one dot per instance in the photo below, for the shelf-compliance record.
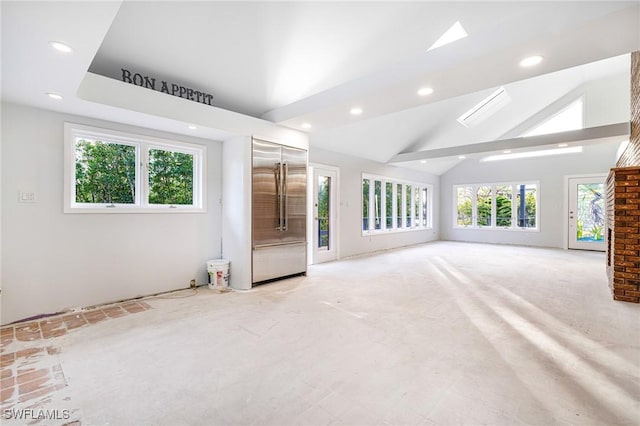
(192, 127)
(423, 161)
(530, 154)
(531, 61)
(462, 157)
(506, 151)
(425, 91)
(54, 96)
(356, 111)
(306, 126)
(563, 145)
(455, 32)
(60, 46)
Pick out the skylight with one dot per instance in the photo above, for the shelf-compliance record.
(485, 108)
(570, 118)
(455, 32)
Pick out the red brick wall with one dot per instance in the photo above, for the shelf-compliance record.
(624, 242)
(623, 206)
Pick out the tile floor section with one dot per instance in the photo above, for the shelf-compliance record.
(31, 377)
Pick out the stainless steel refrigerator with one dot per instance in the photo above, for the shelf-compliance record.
(279, 217)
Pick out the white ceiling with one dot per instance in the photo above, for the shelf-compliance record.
(295, 62)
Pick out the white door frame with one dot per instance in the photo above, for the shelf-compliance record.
(335, 211)
(565, 217)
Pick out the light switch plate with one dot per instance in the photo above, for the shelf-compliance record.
(27, 197)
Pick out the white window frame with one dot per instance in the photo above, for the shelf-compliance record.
(514, 207)
(417, 223)
(143, 143)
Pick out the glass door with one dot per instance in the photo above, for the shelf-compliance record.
(324, 215)
(586, 213)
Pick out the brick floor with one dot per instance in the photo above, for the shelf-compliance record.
(30, 372)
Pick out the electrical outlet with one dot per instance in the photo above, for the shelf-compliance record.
(193, 283)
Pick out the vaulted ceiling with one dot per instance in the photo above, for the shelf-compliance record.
(311, 62)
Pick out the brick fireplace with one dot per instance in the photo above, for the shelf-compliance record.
(623, 207)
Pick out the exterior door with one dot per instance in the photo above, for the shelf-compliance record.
(586, 213)
(324, 210)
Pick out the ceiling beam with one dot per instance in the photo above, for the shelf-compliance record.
(591, 133)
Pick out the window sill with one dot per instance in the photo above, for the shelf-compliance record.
(394, 231)
(490, 228)
(135, 210)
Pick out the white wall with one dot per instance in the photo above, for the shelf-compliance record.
(351, 240)
(52, 260)
(549, 171)
(606, 101)
(236, 210)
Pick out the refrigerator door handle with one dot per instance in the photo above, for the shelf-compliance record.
(285, 212)
(277, 172)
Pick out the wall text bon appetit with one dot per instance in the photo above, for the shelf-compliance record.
(164, 87)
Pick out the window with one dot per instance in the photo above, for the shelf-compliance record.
(324, 201)
(170, 177)
(397, 205)
(425, 207)
(504, 205)
(464, 205)
(111, 171)
(377, 198)
(365, 203)
(416, 205)
(526, 202)
(398, 210)
(105, 172)
(493, 206)
(408, 209)
(388, 204)
(483, 205)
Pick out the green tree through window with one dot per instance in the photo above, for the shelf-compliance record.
(465, 206)
(105, 172)
(389, 205)
(399, 205)
(483, 201)
(324, 188)
(514, 205)
(365, 204)
(113, 171)
(526, 217)
(170, 177)
(377, 200)
(503, 205)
